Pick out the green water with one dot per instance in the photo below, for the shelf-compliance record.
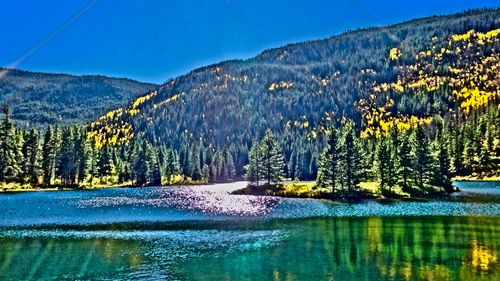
(155, 236)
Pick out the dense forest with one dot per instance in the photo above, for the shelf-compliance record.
(418, 161)
(40, 99)
(377, 77)
(408, 106)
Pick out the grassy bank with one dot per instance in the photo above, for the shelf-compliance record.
(367, 190)
(98, 183)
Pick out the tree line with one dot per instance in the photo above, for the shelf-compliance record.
(66, 157)
(418, 161)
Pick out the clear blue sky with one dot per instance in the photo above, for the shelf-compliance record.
(153, 40)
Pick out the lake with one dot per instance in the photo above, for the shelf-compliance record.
(204, 233)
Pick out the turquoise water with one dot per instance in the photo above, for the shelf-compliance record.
(194, 233)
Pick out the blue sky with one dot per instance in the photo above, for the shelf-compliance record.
(154, 40)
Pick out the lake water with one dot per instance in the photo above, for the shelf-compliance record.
(203, 233)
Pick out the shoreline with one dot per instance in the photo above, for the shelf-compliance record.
(366, 187)
(366, 191)
(219, 187)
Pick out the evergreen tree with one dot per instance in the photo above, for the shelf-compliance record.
(393, 166)
(66, 164)
(350, 161)
(254, 167)
(329, 162)
(383, 160)
(170, 167)
(141, 165)
(458, 152)
(442, 174)
(48, 156)
(205, 173)
(31, 155)
(195, 163)
(9, 165)
(229, 170)
(273, 164)
(406, 164)
(105, 162)
(82, 155)
(154, 164)
(423, 158)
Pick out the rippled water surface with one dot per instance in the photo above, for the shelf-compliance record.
(203, 233)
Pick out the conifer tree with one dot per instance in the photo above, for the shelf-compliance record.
(9, 165)
(195, 163)
(329, 162)
(254, 167)
(105, 162)
(458, 152)
(205, 173)
(48, 156)
(273, 164)
(406, 164)
(423, 158)
(383, 160)
(170, 168)
(66, 165)
(351, 161)
(154, 163)
(442, 175)
(82, 155)
(141, 166)
(31, 155)
(229, 168)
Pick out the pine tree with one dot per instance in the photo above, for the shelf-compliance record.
(195, 163)
(423, 158)
(273, 164)
(469, 158)
(383, 160)
(442, 174)
(458, 152)
(66, 164)
(229, 168)
(9, 165)
(406, 164)
(351, 161)
(105, 162)
(329, 161)
(31, 156)
(170, 168)
(48, 156)
(141, 166)
(254, 167)
(205, 173)
(92, 154)
(154, 164)
(393, 167)
(82, 155)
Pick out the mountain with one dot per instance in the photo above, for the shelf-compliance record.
(38, 99)
(380, 77)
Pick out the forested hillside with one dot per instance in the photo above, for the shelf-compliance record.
(38, 99)
(402, 74)
(406, 107)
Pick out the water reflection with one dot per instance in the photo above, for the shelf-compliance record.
(53, 259)
(433, 248)
(375, 248)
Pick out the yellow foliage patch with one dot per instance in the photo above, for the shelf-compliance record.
(394, 54)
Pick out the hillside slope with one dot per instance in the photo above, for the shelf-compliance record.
(379, 77)
(38, 99)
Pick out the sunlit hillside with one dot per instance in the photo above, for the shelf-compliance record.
(401, 74)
